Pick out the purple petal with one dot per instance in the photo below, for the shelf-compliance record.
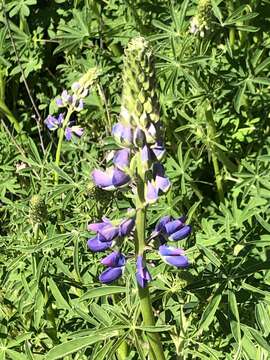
(158, 170)
(110, 275)
(178, 261)
(121, 158)
(158, 151)
(95, 245)
(173, 226)
(146, 154)
(77, 130)
(181, 234)
(68, 133)
(152, 130)
(151, 193)
(162, 222)
(170, 251)
(66, 98)
(51, 122)
(162, 183)
(59, 102)
(126, 226)
(119, 178)
(109, 232)
(143, 276)
(60, 118)
(102, 179)
(122, 133)
(96, 227)
(114, 259)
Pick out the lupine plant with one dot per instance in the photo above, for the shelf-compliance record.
(137, 165)
(76, 292)
(70, 103)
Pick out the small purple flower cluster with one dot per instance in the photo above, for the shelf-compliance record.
(168, 229)
(73, 103)
(142, 144)
(108, 235)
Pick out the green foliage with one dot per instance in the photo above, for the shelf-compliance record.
(214, 98)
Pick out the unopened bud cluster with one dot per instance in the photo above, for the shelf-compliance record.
(202, 23)
(38, 210)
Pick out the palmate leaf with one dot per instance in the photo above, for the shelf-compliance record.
(77, 33)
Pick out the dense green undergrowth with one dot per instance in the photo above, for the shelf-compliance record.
(214, 92)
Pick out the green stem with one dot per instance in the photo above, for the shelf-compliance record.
(59, 145)
(156, 351)
(213, 149)
(218, 177)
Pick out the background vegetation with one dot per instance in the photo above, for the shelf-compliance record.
(215, 105)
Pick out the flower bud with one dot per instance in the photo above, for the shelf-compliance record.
(38, 210)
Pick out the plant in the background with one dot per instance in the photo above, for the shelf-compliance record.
(71, 102)
(136, 163)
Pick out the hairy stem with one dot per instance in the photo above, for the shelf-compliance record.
(59, 145)
(156, 351)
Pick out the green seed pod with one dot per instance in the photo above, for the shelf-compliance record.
(38, 210)
(139, 99)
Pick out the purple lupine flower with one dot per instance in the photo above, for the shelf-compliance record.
(105, 229)
(126, 226)
(66, 98)
(116, 262)
(59, 102)
(122, 158)
(174, 256)
(170, 229)
(111, 274)
(158, 150)
(110, 179)
(122, 134)
(115, 259)
(53, 123)
(142, 274)
(69, 131)
(95, 245)
(159, 183)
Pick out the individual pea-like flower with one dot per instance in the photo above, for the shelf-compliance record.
(115, 262)
(53, 123)
(158, 184)
(121, 158)
(110, 179)
(107, 232)
(173, 256)
(142, 274)
(172, 230)
(95, 245)
(77, 130)
(123, 134)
